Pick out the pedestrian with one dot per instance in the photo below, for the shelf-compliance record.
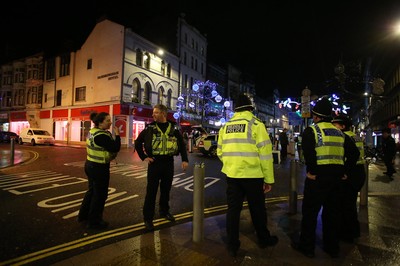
(299, 149)
(324, 150)
(245, 150)
(284, 141)
(389, 152)
(101, 149)
(349, 225)
(157, 145)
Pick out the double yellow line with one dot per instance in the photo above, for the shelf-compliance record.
(38, 255)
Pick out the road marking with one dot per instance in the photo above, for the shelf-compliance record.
(41, 254)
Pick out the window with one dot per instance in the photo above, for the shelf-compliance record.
(45, 97)
(160, 95)
(59, 97)
(19, 75)
(34, 95)
(80, 94)
(195, 64)
(89, 64)
(64, 65)
(139, 57)
(169, 98)
(169, 70)
(50, 69)
(135, 94)
(8, 99)
(147, 93)
(146, 60)
(184, 58)
(21, 93)
(192, 63)
(163, 67)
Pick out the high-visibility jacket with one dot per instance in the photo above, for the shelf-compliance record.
(359, 144)
(245, 148)
(164, 143)
(329, 144)
(96, 153)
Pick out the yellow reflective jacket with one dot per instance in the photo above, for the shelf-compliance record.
(245, 148)
(164, 143)
(329, 144)
(359, 144)
(96, 153)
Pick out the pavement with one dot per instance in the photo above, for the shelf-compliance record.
(182, 244)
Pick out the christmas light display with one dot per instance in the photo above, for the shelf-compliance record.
(203, 103)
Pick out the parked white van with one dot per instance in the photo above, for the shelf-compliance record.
(35, 136)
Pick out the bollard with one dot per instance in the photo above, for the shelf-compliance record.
(12, 151)
(293, 188)
(198, 202)
(190, 145)
(364, 189)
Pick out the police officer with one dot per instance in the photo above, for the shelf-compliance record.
(351, 185)
(101, 149)
(245, 150)
(157, 144)
(325, 149)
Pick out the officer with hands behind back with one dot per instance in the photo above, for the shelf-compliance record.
(328, 154)
(157, 144)
(245, 150)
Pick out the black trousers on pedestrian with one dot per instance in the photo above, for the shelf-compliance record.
(349, 224)
(95, 197)
(283, 152)
(389, 166)
(159, 173)
(239, 189)
(324, 192)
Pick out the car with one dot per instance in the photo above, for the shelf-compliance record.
(7, 136)
(35, 136)
(208, 145)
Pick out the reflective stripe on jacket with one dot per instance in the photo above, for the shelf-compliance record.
(96, 153)
(359, 144)
(164, 143)
(329, 144)
(245, 148)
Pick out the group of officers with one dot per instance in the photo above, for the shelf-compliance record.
(334, 173)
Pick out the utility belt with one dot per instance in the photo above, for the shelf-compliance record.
(163, 157)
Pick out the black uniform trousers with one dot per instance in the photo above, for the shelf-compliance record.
(323, 192)
(159, 173)
(349, 224)
(95, 197)
(239, 189)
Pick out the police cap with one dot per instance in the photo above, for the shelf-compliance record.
(323, 108)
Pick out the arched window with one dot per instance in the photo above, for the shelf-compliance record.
(135, 91)
(160, 95)
(169, 99)
(147, 93)
(139, 57)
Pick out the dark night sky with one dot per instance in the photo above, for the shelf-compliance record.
(284, 44)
